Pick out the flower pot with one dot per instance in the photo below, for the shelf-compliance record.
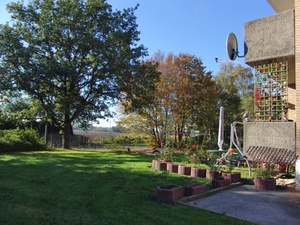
(194, 189)
(220, 183)
(171, 167)
(198, 172)
(184, 170)
(264, 183)
(234, 177)
(212, 174)
(169, 193)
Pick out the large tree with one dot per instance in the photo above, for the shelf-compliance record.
(185, 99)
(77, 58)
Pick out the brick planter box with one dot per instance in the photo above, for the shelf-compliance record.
(194, 189)
(159, 164)
(172, 167)
(212, 174)
(169, 193)
(184, 170)
(220, 183)
(265, 184)
(198, 172)
(234, 177)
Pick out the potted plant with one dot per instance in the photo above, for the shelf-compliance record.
(230, 165)
(211, 173)
(195, 157)
(264, 179)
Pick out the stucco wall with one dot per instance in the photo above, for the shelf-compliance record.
(269, 37)
(270, 134)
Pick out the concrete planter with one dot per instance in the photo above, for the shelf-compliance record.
(198, 172)
(234, 177)
(159, 164)
(220, 183)
(184, 170)
(172, 167)
(265, 184)
(212, 174)
(169, 193)
(194, 189)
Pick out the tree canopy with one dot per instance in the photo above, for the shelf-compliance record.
(185, 99)
(236, 85)
(77, 58)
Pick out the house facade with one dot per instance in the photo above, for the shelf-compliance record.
(272, 47)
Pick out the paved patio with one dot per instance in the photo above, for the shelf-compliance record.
(245, 202)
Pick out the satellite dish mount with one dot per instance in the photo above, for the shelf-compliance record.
(232, 47)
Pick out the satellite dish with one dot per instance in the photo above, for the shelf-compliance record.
(232, 46)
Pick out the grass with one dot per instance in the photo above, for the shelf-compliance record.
(91, 187)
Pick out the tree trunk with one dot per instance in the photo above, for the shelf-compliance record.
(66, 136)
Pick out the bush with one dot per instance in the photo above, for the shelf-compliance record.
(20, 140)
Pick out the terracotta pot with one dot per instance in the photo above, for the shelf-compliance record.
(220, 183)
(198, 172)
(184, 170)
(169, 193)
(234, 177)
(171, 167)
(265, 184)
(194, 189)
(212, 174)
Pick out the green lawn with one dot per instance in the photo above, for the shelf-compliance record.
(91, 187)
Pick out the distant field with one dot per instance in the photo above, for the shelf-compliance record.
(92, 134)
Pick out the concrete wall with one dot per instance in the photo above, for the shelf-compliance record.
(297, 71)
(270, 37)
(270, 134)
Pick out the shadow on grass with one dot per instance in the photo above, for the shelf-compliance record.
(74, 187)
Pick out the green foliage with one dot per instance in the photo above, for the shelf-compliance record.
(266, 172)
(20, 140)
(77, 58)
(166, 153)
(19, 112)
(122, 140)
(184, 100)
(211, 159)
(236, 90)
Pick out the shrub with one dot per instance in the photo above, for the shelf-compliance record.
(20, 140)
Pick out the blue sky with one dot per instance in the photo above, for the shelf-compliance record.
(198, 27)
